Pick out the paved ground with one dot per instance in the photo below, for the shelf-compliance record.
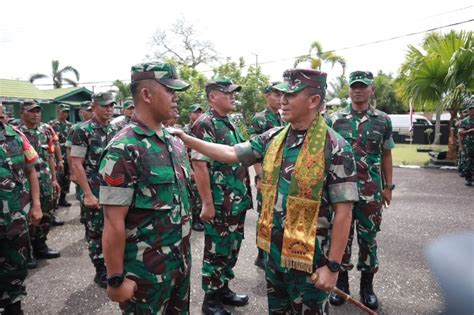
(427, 204)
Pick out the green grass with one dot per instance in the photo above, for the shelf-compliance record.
(405, 154)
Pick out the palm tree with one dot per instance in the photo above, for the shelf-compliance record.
(432, 72)
(317, 57)
(123, 91)
(57, 75)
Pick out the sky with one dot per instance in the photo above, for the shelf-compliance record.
(103, 39)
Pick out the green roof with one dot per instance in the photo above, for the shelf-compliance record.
(17, 90)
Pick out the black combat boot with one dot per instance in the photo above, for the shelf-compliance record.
(367, 295)
(342, 284)
(259, 261)
(212, 304)
(101, 276)
(42, 251)
(62, 201)
(32, 263)
(13, 309)
(197, 224)
(229, 297)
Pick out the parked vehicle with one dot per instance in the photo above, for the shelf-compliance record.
(401, 123)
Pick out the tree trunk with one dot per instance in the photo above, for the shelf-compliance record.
(452, 154)
(437, 125)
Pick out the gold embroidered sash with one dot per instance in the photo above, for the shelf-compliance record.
(303, 200)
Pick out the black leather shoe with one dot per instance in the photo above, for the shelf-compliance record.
(32, 264)
(56, 221)
(342, 284)
(468, 183)
(367, 294)
(198, 226)
(64, 203)
(47, 253)
(229, 297)
(212, 304)
(101, 279)
(13, 309)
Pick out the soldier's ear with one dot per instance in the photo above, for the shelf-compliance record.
(314, 101)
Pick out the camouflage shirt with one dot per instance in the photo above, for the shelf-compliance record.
(150, 173)
(263, 121)
(230, 184)
(88, 141)
(468, 141)
(62, 130)
(120, 122)
(339, 184)
(43, 139)
(16, 154)
(369, 133)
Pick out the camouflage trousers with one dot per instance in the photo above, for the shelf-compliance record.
(366, 219)
(170, 296)
(292, 292)
(94, 224)
(222, 240)
(461, 161)
(468, 169)
(13, 271)
(196, 203)
(64, 179)
(40, 232)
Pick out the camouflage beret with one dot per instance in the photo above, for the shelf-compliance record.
(103, 98)
(164, 73)
(128, 103)
(223, 84)
(29, 105)
(365, 77)
(270, 87)
(296, 80)
(468, 102)
(64, 107)
(195, 107)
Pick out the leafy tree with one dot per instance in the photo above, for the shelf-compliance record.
(339, 89)
(385, 95)
(195, 94)
(317, 57)
(123, 91)
(58, 75)
(181, 43)
(433, 71)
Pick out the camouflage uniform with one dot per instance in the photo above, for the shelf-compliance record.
(88, 140)
(43, 139)
(468, 142)
(290, 289)
(369, 133)
(231, 195)
(62, 130)
(16, 154)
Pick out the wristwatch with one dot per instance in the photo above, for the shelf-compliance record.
(390, 187)
(116, 280)
(334, 266)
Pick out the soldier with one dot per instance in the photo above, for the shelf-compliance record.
(225, 194)
(124, 119)
(62, 127)
(466, 141)
(261, 122)
(43, 138)
(89, 139)
(308, 186)
(17, 158)
(195, 110)
(369, 131)
(145, 178)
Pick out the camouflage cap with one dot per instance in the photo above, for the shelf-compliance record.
(195, 107)
(164, 73)
(270, 87)
(223, 84)
(365, 77)
(468, 102)
(29, 105)
(85, 104)
(128, 103)
(103, 98)
(296, 80)
(64, 108)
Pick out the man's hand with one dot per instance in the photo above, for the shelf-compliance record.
(56, 187)
(207, 212)
(177, 132)
(123, 293)
(60, 166)
(387, 196)
(324, 279)
(36, 214)
(91, 202)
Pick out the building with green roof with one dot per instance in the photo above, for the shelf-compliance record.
(14, 92)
